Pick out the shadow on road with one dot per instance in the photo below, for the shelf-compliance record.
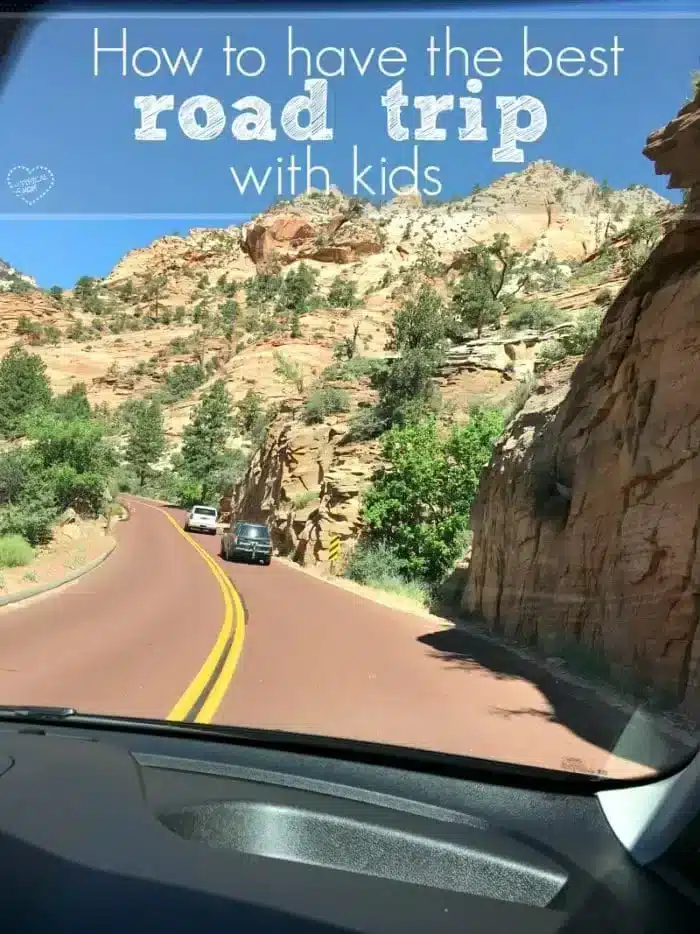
(579, 708)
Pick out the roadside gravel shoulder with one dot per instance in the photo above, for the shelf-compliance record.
(76, 549)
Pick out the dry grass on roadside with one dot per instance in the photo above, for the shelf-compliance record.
(69, 551)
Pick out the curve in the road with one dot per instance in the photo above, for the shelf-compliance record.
(203, 696)
(128, 637)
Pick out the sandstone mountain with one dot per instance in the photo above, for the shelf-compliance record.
(140, 320)
(587, 523)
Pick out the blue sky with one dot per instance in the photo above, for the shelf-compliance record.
(81, 126)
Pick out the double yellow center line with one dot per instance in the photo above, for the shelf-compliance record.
(206, 691)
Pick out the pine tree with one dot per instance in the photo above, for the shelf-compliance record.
(146, 438)
(204, 438)
(24, 387)
(84, 288)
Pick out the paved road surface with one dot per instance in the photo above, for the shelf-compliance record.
(127, 638)
(165, 628)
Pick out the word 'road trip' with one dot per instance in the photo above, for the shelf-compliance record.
(204, 118)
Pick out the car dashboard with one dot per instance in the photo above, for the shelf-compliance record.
(117, 830)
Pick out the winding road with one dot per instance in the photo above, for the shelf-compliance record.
(166, 629)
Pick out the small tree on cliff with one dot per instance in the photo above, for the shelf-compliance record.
(204, 438)
(483, 293)
(153, 289)
(406, 389)
(228, 314)
(695, 82)
(644, 232)
(84, 288)
(297, 291)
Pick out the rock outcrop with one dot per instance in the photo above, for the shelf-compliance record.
(306, 483)
(9, 275)
(587, 522)
(287, 237)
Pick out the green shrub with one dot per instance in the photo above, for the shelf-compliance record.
(187, 493)
(584, 332)
(181, 382)
(261, 288)
(342, 293)
(19, 286)
(83, 492)
(69, 464)
(369, 563)
(26, 326)
(379, 567)
(32, 518)
(15, 551)
(77, 442)
(74, 403)
(253, 417)
(328, 400)
(124, 481)
(353, 369)
(538, 316)
(179, 345)
(305, 499)
(288, 370)
(418, 505)
(52, 334)
(365, 424)
(550, 353)
(77, 332)
(573, 344)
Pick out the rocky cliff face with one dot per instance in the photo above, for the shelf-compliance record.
(306, 482)
(8, 275)
(586, 525)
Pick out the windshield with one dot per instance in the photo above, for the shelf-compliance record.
(410, 300)
(252, 531)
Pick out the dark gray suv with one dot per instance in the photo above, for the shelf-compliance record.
(250, 541)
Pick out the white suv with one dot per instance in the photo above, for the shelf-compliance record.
(202, 519)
